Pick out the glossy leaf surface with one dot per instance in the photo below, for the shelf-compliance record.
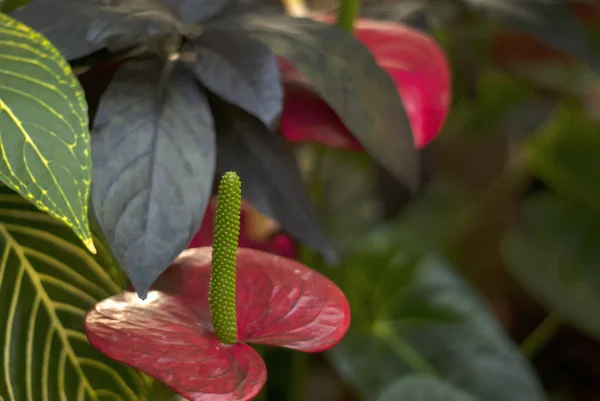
(553, 254)
(345, 74)
(240, 70)
(279, 302)
(79, 28)
(44, 135)
(47, 283)
(154, 161)
(271, 181)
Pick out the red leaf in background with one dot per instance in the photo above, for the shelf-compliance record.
(414, 61)
(279, 244)
(170, 335)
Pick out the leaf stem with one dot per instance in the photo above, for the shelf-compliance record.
(541, 335)
(404, 350)
(347, 13)
(222, 295)
(298, 371)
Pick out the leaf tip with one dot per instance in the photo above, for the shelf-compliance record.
(89, 244)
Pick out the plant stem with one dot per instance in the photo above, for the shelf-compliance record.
(347, 13)
(542, 334)
(298, 371)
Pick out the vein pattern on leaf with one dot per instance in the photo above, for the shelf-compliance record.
(44, 137)
(47, 283)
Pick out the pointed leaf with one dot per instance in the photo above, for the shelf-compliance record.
(44, 136)
(239, 69)
(47, 283)
(192, 11)
(154, 160)
(79, 28)
(553, 254)
(467, 348)
(550, 21)
(270, 177)
(346, 75)
(279, 301)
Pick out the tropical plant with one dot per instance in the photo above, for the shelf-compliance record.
(118, 118)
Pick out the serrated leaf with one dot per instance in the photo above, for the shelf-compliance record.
(154, 160)
(270, 177)
(467, 349)
(239, 69)
(44, 136)
(79, 28)
(192, 11)
(422, 388)
(47, 283)
(566, 156)
(345, 74)
(553, 254)
(550, 21)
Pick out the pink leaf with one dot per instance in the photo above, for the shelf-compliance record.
(170, 335)
(414, 61)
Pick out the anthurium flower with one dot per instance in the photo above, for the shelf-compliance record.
(413, 60)
(170, 335)
(278, 243)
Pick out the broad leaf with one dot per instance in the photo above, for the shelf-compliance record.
(550, 21)
(279, 302)
(154, 160)
(566, 156)
(412, 315)
(421, 388)
(239, 69)
(429, 323)
(78, 28)
(44, 136)
(553, 254)
(346, 75)
(270, 178)
(47, 283)
(192, 11)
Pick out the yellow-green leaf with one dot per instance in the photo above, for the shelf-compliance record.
(47, 283)
(44, 135)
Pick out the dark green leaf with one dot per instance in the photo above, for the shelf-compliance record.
(554, 255)
(566, 155)
(240, 70)
(154, 160)
(270, 177)
(423, 388)
(467, 349)
(78, 28)
(44, 135)
(192, 11)
(550, 21)
(345, 74)
(47, 284)
(412, 315)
